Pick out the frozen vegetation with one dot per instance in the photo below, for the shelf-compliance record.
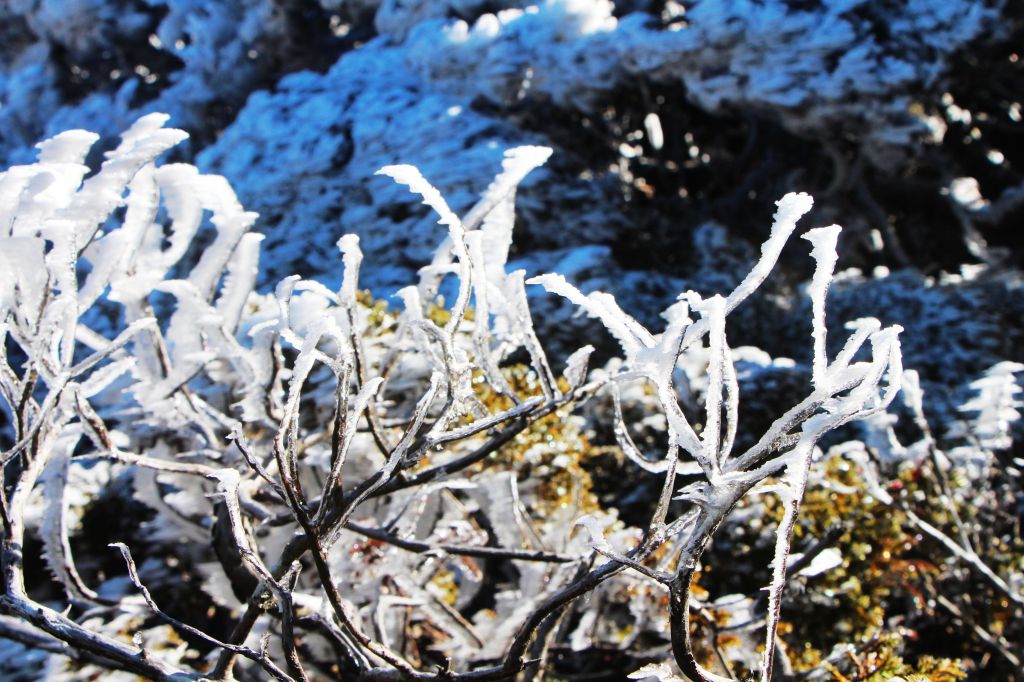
(444, 450)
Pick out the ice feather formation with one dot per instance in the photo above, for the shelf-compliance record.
(216, 398)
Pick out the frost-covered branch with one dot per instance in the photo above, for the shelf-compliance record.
(349, 476)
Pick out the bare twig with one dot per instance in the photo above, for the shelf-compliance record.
(256, 656)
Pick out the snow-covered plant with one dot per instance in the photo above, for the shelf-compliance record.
(364, 490)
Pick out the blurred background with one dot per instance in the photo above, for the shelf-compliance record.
(675, 125)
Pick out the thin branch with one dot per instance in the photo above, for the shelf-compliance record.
(284, 600)
(965, 555)
(255, 656)
(90, 643)
(481, 552)
(998, 644)
(17, 631)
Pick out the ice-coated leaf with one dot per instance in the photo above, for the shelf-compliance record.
(411, 177)
(231, 222)
(102, 193)
(796, 477)
(32, 197)
(283, 293)
(515, 293)
(411, 302)
(825, 561)
(183, 207)
(183, 338)
(496, 209)
(475, 252)
(103, 377)
(996, 405)
(361, 403)
(862, 329)
(483, 290)
(732, 403)
(665, 354)
(71, 146)
(626, 443)
(863, 400)
(115, 258)
(321, 328)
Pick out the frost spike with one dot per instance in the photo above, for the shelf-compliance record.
(823, 250)
(54, 526)
(352, 257)
(791, 208)
(239, 280)
(517, 164)
(361, 403)
(410, 176)
(627, 331)
(714, 311)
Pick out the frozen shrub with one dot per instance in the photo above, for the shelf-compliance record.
(365, 493)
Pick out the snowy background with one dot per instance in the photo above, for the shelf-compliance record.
(675, 126)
